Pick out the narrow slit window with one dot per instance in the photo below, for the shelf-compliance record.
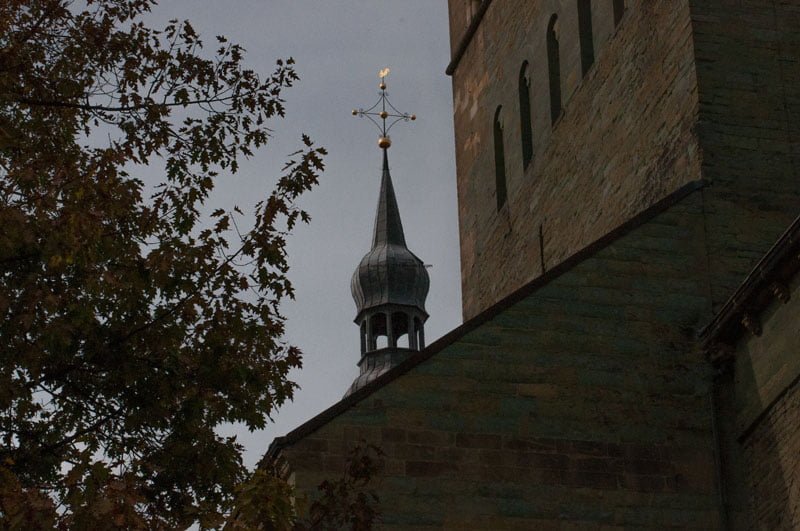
(619, 10)
(499, 159)
(526, 129)
(554, 68)
(585, 33)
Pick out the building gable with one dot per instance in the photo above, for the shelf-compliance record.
(583, 401)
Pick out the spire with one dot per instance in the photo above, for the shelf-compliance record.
(389, 274)
(390, 284)
(388, 227)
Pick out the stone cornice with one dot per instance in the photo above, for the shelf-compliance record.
(767, 282)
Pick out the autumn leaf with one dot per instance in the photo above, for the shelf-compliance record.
(135, 322)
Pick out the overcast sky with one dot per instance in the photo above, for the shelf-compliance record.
(339, 47)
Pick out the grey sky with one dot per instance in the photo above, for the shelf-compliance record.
(339, 47)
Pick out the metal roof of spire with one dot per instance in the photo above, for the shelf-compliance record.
(389, 273)
(388, 227)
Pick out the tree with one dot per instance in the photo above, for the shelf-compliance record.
(134, 321)
(266, 501)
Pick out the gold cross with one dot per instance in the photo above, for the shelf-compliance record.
(384, 142)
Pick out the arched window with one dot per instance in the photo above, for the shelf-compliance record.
(585, 34)
(400, 331)
(379, 332)
(499, 159)
(619, 10)
(554, 68)
(526, 130)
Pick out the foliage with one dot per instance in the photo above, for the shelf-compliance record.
(133, 321)
(345, 503)
(268, 502)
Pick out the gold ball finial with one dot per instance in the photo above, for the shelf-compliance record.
(383, 114)
(355, 112)
(413, 117)
(382, 86)
(384, 142)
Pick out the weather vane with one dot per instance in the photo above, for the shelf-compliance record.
(384, 142)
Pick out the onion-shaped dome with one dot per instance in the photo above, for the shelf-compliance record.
(389, 273)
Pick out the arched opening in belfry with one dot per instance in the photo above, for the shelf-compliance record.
(585, 34)
(526, 128)
(364, 338)
(619, 10)
(499, 159)
(379, 331)
(554, 68)
(400, 330)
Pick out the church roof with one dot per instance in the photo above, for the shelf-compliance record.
(343, 405)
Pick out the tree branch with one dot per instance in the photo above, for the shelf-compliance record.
(122, 108)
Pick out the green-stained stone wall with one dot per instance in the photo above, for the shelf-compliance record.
(584, 404)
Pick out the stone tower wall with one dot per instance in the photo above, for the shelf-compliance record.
(626, 137)
(748, 69)
(679, 90)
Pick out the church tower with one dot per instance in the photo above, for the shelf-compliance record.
(572, 117)
(390, 284)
